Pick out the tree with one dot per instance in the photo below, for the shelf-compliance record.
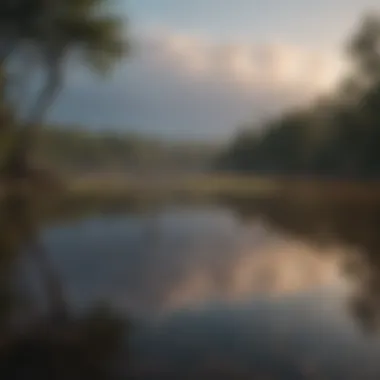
(50, 32)
(364, 50)
(339, 135)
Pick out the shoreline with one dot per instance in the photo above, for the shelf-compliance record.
(200, 186)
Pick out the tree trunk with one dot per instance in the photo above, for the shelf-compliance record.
(20, 162)
(56, 299)
(20, 215)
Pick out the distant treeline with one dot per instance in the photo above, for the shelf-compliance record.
(79, 150)
(338, 136)
(76, 149)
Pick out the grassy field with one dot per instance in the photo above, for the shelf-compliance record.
(220, 185)
(199, 186)
(190, 185)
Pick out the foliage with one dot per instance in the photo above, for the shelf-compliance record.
(338, 136)
(45, 34)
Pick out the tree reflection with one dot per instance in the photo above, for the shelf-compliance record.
(353, 224)
(46, 340)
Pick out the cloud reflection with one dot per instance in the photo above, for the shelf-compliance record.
(183, 259)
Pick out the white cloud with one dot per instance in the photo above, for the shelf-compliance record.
(275, 65)
(190, 86)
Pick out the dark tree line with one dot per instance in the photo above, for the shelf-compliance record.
(338, 136)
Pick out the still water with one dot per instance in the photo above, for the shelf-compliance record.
(230, 289)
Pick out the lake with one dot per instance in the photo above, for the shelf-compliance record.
(225, 289)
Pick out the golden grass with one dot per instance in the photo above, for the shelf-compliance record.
(219, 185)
(206, 185)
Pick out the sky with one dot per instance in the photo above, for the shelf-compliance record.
(201, 69)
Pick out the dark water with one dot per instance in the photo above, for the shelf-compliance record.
(228, 289)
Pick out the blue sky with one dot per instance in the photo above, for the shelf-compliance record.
(201, 68)
(322, 22)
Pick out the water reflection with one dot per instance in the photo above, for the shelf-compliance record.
(354, 225)
(230, 289)
(40, 337)
(195, 256)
